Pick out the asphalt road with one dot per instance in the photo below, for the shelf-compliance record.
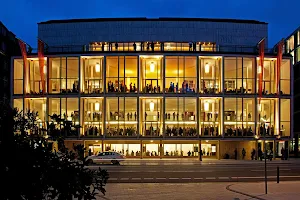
(180, 171)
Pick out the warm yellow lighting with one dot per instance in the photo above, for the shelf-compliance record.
(152, 67)
(121, 122)
(206, 68)
(45, 69)
(97, 67)
(206, 106)
(256, 136)
(97, 106)
(259, 69)
(151, 105)
(44, 107)
(181, 122)
(259, 107)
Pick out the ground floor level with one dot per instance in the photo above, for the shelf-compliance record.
(218, 149)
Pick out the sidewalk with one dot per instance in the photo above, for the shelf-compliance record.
(207, 160)
(206, 191)
(276, 191)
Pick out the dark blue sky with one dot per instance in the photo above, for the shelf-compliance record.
(22, 16)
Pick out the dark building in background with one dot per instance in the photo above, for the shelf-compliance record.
(8, 47)
(292, 46)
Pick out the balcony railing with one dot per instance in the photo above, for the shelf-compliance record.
(149, 47)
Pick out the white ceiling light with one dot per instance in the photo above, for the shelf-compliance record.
(152, 67)
(97, 106)
(151, 105)
(97, 67)
(206, 68)
(206, 106)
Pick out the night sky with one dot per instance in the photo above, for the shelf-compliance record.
(22, 16)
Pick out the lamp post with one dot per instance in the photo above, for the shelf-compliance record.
(264, 132)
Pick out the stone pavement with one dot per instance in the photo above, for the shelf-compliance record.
(276, 191)
(206, 191)
(168, 191)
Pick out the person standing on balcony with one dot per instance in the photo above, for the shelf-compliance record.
(134, 46)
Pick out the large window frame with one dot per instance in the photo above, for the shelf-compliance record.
(176, 74)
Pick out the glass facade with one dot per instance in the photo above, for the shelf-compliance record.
(160, 97)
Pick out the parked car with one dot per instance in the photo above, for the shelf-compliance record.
(106, 157)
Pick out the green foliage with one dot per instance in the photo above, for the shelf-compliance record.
(31, 170)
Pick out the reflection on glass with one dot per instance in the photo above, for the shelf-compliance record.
(151, 113)
(210, 75)
(180, 117)
(92, 73)
(121, 116)
(210, 116)
(92, 116)
(239, 117)
(180, 74)
(18, 76)
(121, 73)
(151, 74)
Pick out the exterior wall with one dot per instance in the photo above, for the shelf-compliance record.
(229, 147)
(222, 33)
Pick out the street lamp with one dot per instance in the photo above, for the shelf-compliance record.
(264, 132)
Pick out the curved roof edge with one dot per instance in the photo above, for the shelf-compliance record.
(152, 19)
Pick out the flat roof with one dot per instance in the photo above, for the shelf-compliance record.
(152, 19)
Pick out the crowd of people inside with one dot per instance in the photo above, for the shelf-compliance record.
(111, 87)
(180, 131)
(186, 87)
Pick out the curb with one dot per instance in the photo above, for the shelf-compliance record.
(242, 193)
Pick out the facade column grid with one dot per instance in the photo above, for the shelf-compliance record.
(79, 96)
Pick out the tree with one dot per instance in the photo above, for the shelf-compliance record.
(29, 169)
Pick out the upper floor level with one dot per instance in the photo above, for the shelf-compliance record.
(292, 45)
(223, 32)
(151, 74)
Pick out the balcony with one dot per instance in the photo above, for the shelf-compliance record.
(152, 47)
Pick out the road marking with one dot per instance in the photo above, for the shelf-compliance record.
(269, 170)
(124, 179)
(173, 178)
(148, 178)
(289, 176)
(251, 177)
(113, 179)
(186, 178)
(136, 178)
(198, 178)
(210, 178)
(223, 177)
(160, 178)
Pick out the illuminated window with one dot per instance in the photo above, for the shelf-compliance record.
(18, 76)
(210, 79)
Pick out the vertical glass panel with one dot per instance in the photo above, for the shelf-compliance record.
(112, 73)
(151, 74)
(285, 77)
(210, 75)
(230, 116)
(248, 75)
(285, 117)
(131, 73)
(93, 73)
(37, 105)
(92, 116)
(18, 76)
(18, 103)
(210, 116)
(73, 75)
(230, 73)
(151, 117)
(54, 75)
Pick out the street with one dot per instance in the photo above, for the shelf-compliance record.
(181, 171)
